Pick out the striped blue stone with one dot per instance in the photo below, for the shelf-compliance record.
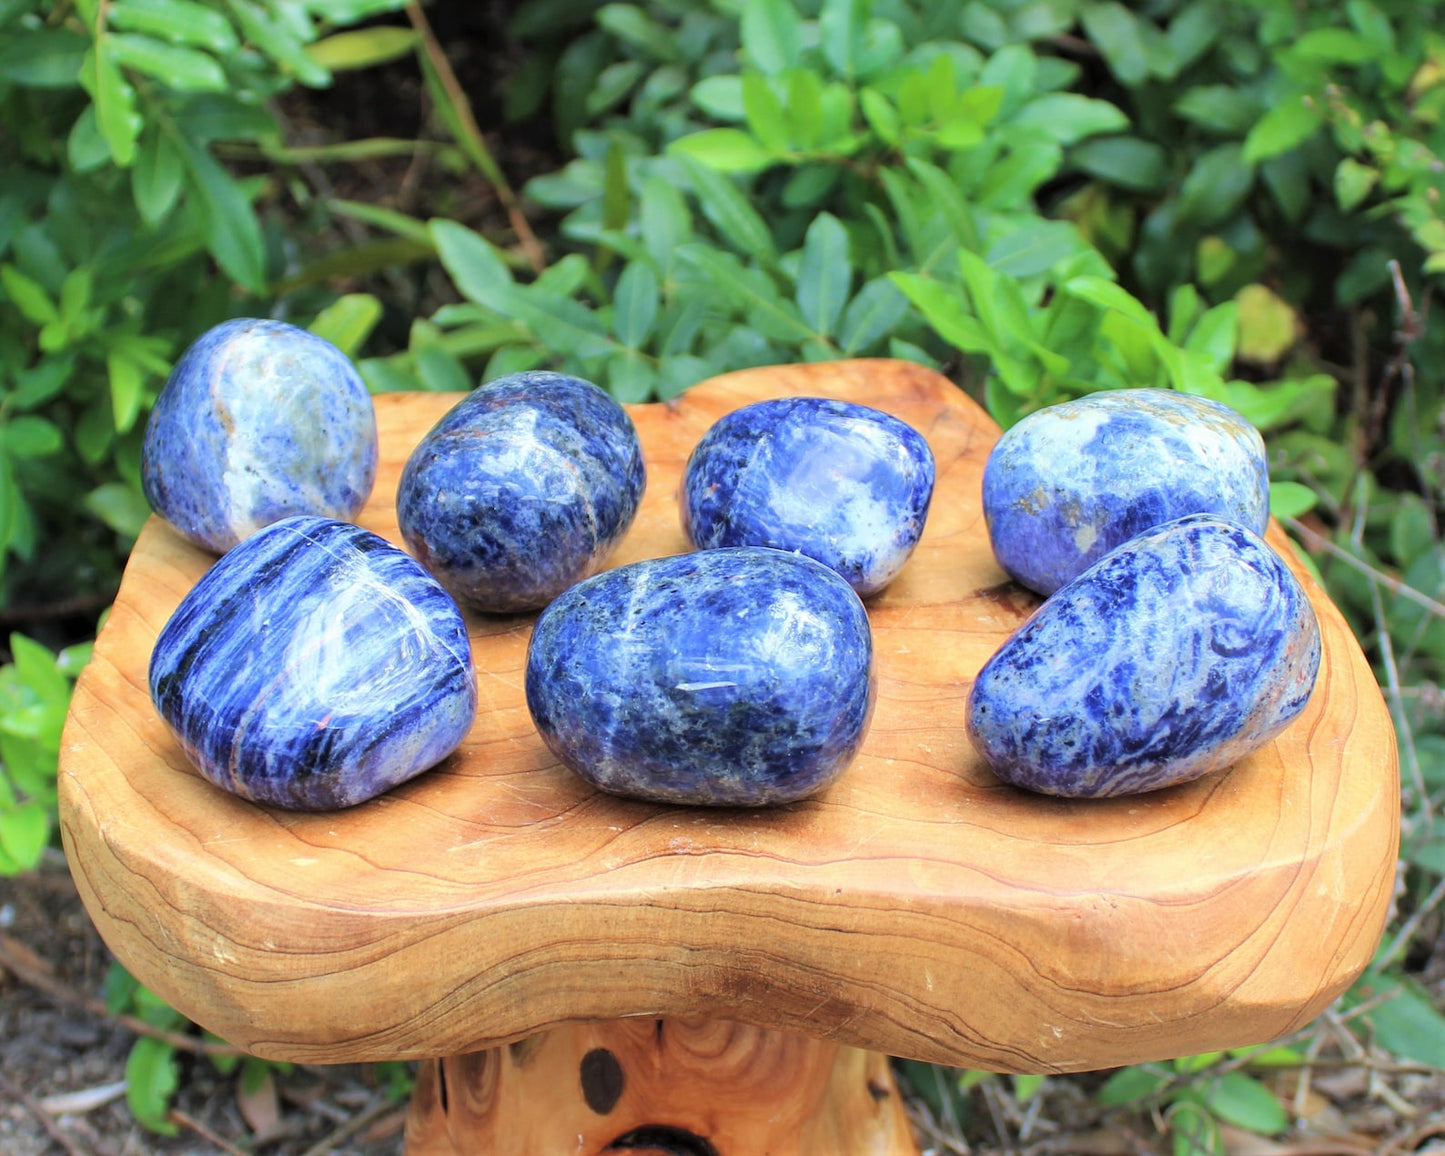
(258, 421)
(732, 677)
(1175, 655)
(522, 489)
(313, 667)
(1071, 482)
(844, 484)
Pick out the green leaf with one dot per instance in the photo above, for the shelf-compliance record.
(180, 21)
(1125, 161)
(630, 379)
(35, 664)
(155, 179)
(24, 832)
(127, 389)
(177, 67)
(85, 147)
(634, 26)
(362, 47)
(1408, 1025)
(766, 117)
(1246, 1103)
(825, 277)
(1286, 126)
(726, 207)
(634, 304)
(1115, 31)
(728, 150)
(348, 321)
(1353, 182)
(871, 316)
(1334, 46)
(30, 436)
(35, 386)
(233, 234)
(1221, 107)
(28, 296)
(1268, 325)
(1130, 1084)
(771, 34)
(751, 289)
(278, 42)
(49, 58)
(120, 507)
(943, 309)
(1217, 184)
(1215, 334)
(1034, 247)
(1067, 117)
(476, 268)
(152, 1076)
(1291, 499)
(665, 221)
(721, 97)
(880, 114)
(841, 28)
(614, 83)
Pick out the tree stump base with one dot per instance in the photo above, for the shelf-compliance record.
(646, 1085)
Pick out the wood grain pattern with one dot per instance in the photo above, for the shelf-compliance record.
(917, 907)
(586, 1087)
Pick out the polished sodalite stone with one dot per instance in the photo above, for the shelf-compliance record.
(1071, 482)
(732, 677)
(844, 484)
(258, 421)
(1174, 656)
(523, 488)
(314, 666)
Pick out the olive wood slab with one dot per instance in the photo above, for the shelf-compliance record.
(918, 907)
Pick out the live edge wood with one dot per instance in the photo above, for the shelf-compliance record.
(706, 1087)
(918, 907)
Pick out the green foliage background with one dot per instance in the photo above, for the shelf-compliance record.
(1042, 198)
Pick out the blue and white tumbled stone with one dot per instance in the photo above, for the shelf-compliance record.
(313, 667)
(1071, 482)
(735, 677)
(258, 421)
(844, 484)
(1176, 655)
(522, 489)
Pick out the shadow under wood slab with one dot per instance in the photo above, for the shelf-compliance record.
(683, 1087)
(917, 907)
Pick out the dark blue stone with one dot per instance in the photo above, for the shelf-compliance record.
(1176, 655)
(734, 677)
(844, 484)
(523, 488)
(314, 666)
(258, 421)
(1071, 482)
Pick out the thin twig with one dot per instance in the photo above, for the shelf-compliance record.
(1412, 925)
(47, 1121)
(349, 1129)
(14, 962)
(1314, 540)
(475, 143)
(1397, 705)
(205, 1133)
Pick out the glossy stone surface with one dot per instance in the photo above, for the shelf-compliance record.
(258, 421)
(732, 677)
(1071, 482)
(313, 667)
(522, 489)
(1174, 656)
(845, 484)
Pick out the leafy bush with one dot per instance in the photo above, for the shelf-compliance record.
(113, 208)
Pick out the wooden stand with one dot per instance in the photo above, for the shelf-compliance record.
(918, 907)
(696, 1087)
